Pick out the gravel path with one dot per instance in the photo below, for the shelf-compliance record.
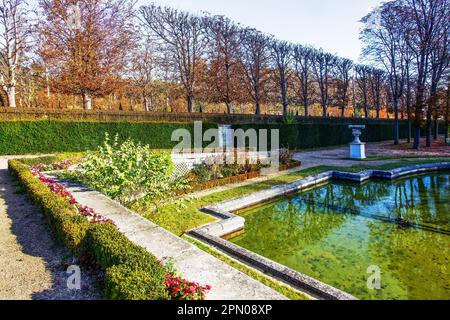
(32, 265)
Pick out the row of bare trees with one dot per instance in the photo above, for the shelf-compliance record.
(237, 63)
(106, 50)
(409, 39)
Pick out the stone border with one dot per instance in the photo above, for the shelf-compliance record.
(230, 223)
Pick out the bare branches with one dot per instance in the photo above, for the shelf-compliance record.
(322, 66)
(15, 32)
(282, 56)
(183, 36)
(255, 59)
(303, 62)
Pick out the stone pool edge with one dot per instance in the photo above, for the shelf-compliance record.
(230, 223)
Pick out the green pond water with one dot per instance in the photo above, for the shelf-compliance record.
(338, 233)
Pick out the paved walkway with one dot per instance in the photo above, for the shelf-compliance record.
(194, 264)
(32, 266)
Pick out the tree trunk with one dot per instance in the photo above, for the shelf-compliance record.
(428, 133)
(447, 112)
(190, 103)
(306, 108)
(11, 94)
(396, 124)
(409, 126)
(284, 98)
(258, 108)
(229, 104)
(87, 101)
(417, 117)
(147, 104)
(324, 110)
(408, 108)
(168, 109)
(436, 129)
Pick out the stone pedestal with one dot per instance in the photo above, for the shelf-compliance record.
(357, 150)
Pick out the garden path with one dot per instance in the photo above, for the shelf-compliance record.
(32, 265)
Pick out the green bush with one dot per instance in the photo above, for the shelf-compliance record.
(125, 283)
(129, 171)
(110, 247)
(63, 219)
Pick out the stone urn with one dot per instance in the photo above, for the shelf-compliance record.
(357, 148)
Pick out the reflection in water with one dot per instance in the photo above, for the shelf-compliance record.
(334, 233)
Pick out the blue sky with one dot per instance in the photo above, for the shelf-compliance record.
(330, 24)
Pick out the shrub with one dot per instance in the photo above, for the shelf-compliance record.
(286, 156)
(128, 171)
(62, 217)
(202, 173)
(125, 283)
(110, 247)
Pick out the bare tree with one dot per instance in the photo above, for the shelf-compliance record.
(183, 36)
(439, 63)
(342, 78)
(255, 58)
(142, 68)
(376, 86)
(384, 41)
(322, 67)
(363, 83)
(427, 21)
(282, 56)
(303, 60)
(223, 36)
(14, 32)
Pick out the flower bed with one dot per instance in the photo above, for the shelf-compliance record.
(240, 178)
(88, 213)
(131, 272)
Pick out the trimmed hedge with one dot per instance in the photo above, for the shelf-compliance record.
(125, 283)
(113, 251)
(302, 136)
(51, 136)
(69, 227)
(36, 137)
(111, 247)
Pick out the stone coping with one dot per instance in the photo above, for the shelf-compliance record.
(231, 223)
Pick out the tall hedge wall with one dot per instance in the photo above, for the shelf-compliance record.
(47, 136)
(30, 137)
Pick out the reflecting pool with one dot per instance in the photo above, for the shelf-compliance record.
(342, 233)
